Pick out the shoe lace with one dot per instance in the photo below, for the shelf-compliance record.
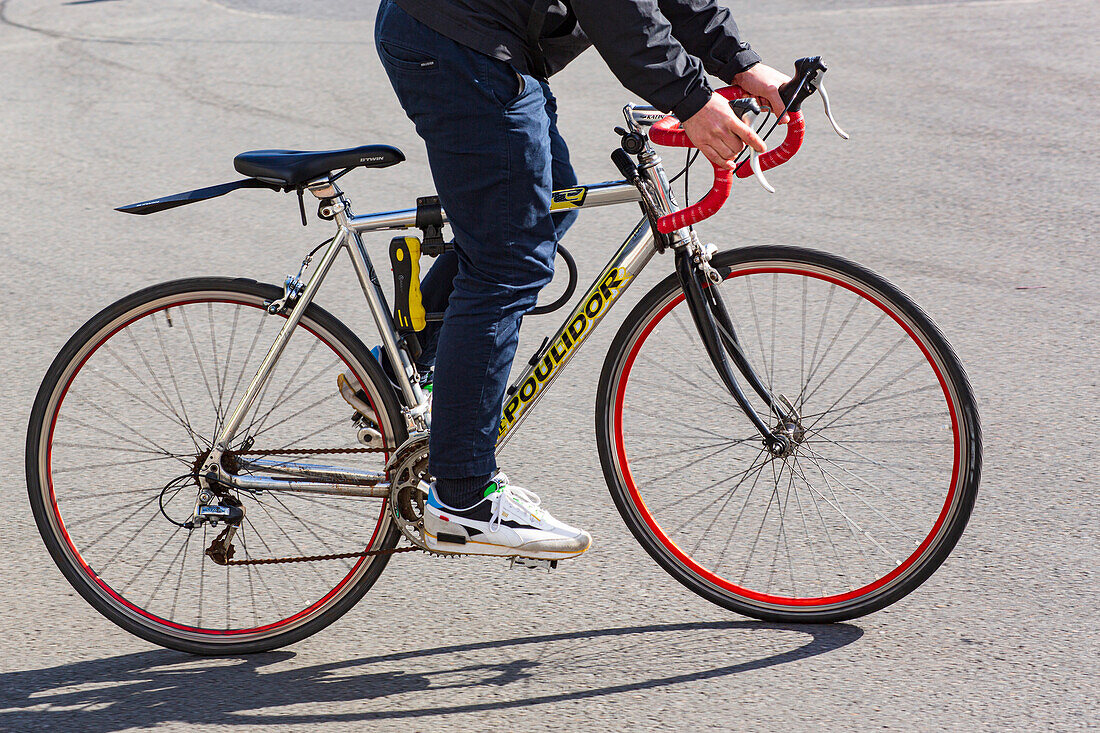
(529, 500)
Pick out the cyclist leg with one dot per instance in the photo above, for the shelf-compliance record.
(438, 282)
(487, 135)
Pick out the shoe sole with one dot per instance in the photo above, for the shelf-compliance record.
(489, 549)
(348, 392)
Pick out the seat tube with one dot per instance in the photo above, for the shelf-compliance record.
(376, 301)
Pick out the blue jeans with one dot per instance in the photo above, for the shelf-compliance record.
(495, 156)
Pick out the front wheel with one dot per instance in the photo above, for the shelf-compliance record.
(885, 446)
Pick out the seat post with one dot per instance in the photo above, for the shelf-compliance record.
(326, 190)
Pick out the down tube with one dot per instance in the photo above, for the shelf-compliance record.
(549, 362)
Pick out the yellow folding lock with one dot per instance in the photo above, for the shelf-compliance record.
(408, 307)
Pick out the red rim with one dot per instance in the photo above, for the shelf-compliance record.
(720, 582)
(102, 583)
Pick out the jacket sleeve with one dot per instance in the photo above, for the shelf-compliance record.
(708, 32)
(637, 42)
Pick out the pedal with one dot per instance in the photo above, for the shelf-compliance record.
(408, 307)
(532, 563)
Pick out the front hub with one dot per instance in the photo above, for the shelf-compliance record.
(786, 437)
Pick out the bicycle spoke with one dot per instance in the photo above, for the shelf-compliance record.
(281, 398)
(889, 521)
(199, 363)
(866, 458)
(759, 331)
(806, 529)
(841, 410)
(167, 571)
(741, 513)
(680, 451)
(825, 527)
(247, 361)
(835, 504)
(107, 414)
(162, 399)
(814, 366)
(901, 340)
(866, 334)
(681, 499)
(693, 338)
(729, 496)
(297, 548)
(172, 374)
(150, 560)
(718, 498)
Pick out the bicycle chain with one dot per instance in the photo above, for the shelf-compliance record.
(306, 451)
(316, 558)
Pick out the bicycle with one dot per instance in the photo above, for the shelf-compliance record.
(180, 453)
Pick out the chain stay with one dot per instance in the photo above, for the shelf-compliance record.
(311, 558)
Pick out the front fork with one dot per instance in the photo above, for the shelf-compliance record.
(715, 327)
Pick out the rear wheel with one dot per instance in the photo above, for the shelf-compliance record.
(122, 423)
(885, 454)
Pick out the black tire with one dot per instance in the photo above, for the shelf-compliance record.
(618, 406)
(243, 295)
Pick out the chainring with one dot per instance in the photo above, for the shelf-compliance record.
(409, 478)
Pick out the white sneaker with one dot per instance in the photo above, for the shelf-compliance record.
(507, 522)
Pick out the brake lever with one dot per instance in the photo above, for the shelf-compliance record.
(754, 163)
(829, 110)
(754, 157)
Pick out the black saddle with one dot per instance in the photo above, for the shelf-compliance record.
(278, 170)
(292, 168)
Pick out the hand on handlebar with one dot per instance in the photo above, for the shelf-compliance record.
(720, 134)
(763, 82)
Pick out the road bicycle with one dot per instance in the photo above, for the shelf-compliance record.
(782, 430)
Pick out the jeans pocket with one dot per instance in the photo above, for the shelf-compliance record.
(506, 84)
(522, 86)
(406, 59)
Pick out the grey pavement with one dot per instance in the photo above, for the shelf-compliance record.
(970, 181)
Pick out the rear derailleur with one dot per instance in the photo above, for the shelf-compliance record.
(213, 509)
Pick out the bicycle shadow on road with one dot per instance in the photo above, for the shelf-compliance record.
(160, 686)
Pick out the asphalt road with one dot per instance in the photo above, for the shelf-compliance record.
(970, 181)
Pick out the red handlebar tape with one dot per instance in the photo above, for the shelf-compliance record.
(669, 132)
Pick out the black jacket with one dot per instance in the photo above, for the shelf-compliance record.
(658, 49)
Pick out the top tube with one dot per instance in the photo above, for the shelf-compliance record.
(608, 193)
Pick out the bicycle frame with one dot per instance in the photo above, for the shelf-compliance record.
(651, 189)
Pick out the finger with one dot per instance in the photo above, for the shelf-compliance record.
(728, 147)
(724, 157)
(775, 101)
(748, 136)
(715, 157)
